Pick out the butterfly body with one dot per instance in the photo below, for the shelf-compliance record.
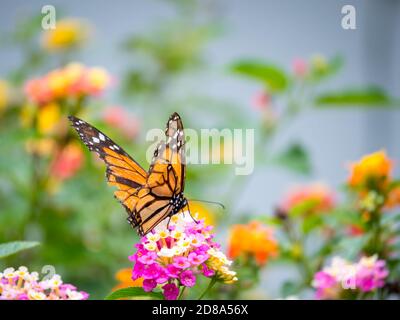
(178, 202)
(150, 196)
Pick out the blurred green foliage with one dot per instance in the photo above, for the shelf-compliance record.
(375, 97)
(274, 79)
(133, 292)
(10, 248)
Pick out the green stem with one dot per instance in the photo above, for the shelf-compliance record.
(181, 293)
(377, 235)
(305, 268)
(210, 285)
(302, 261)
(374, 245)
(35, 186)
(35, 179)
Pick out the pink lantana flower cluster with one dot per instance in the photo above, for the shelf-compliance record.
(367, 275)
(21, 284)
(72, 81)
(173, 255)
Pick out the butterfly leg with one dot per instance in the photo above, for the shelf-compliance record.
(169, 220)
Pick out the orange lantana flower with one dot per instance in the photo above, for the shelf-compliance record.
(374, 168)
(253, 239)
(124, 277)
(72, 81)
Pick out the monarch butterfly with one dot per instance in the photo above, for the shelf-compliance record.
(148, 197)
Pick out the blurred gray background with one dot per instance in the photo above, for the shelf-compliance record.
(277, 31)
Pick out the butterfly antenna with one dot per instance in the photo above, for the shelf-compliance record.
(191, 213)
(206, 201)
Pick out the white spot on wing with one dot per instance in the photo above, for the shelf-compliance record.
(102, 138)
(95, 140)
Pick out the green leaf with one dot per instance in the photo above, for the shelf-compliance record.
(368, 97)
(271, 76)
(310, 223)
(9, 248)
(295, 158)
(304, 207)
(133, 292)
(271, 220)
(394, 184)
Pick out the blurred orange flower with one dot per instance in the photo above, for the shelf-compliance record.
(253, 239)
(393, 198)
(67, 162)
(355, 230)
(119, 118)
(316, 197)
(69, 33)
(372, 170)
(37, 91)
(71, 81)
(96, 80)
(124, 278)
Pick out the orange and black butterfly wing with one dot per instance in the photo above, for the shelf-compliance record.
(165, 180)
(168, 168)
(150, 210)
(122, 171)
